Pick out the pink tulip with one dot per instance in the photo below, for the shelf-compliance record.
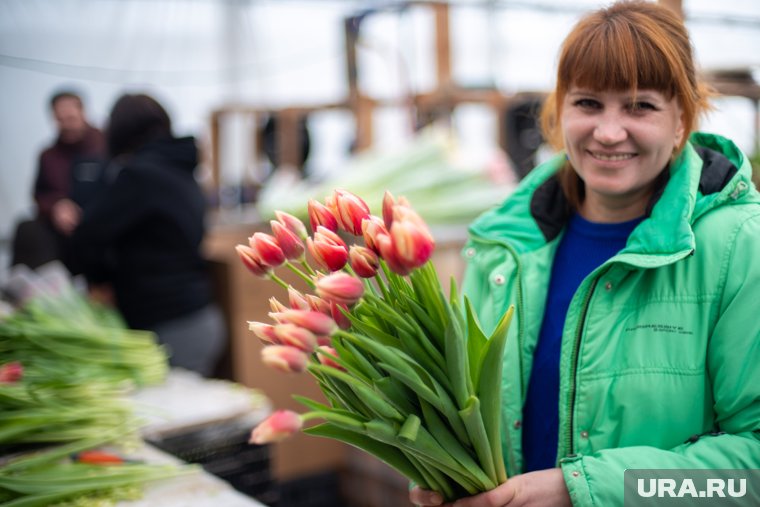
(251, 261)
(340, 287)
(338, 316)
(297, 300)
(318, 304)
(316, 322)
(364, 261)
(412, 244)
(265, 332)
(325, 355)
(373, 226)
(388, 253)
(292, 246)
(269, 252)
(10, 373)
(328, 249)
(292, 223)
(319, 214)
(276, 306)
(349, 209)
(389, 204)
(277, 427)
(284, 358)
(296, 336)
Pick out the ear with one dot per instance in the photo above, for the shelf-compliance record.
(680, 129)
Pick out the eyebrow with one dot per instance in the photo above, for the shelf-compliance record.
(650, 95)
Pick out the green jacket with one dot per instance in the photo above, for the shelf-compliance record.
(660, 361)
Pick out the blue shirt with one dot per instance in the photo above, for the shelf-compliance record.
(584, 247)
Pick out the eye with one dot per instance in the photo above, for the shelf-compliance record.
(587, 103)
(642, 106)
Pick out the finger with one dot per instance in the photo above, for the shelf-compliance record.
(419, 496)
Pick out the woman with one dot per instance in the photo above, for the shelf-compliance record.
(632, 259)
(143, 235)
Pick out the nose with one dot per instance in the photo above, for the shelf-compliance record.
(610, 128)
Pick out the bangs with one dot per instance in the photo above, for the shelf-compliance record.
(617, 56)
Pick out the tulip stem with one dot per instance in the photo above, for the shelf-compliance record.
(303, 276)
(309, 270)
(279, 281)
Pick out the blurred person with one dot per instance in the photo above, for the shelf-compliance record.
(142, 236)
(74, 157)
(632, 261)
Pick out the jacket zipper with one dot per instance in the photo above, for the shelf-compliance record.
(569, 440)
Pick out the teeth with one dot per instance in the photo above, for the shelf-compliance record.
(624, 156)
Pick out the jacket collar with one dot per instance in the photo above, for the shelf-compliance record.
(701, 178)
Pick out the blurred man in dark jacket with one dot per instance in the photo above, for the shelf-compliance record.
(68, 170)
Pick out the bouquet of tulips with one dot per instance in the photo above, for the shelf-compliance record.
(408, 373)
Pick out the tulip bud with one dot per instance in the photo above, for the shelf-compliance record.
(295, 336)
(11, 373)
(328, 249)
(250, 260)
(316, 322)
(372, 226)
(326, 357)
(388, 253)
(413, 245)
(292, 246)
(349, 209)
(292, 223)
(338, 316)
(297, 300)
(388, 203)
(340, 288)
(267, 249)
(364, 261)
(284, 358)
(265, 332)
(276, 306)
(318, 304)
(277, 427)
(319, 214)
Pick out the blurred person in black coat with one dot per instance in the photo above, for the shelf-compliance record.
(142, 236)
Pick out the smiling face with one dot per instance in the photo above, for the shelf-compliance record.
(618, 143)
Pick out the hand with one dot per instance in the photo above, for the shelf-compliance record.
(65, 215)
(545, 488)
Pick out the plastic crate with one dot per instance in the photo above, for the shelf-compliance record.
(223, 450)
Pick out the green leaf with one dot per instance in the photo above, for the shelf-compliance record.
(457, 364)
(489, 390)
(476, 429)
(360, 359)
(373, 399)
(476, 342)
(384, 452)
(375, 333)
(389, 313)
(414, 346)
(431, 326)
(448, 441)
(399, 394)
(410, 428)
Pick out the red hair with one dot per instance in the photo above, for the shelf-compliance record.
(630, 45)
